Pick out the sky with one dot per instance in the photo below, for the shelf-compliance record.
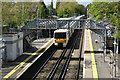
(84, 2)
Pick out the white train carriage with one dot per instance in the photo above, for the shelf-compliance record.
(61, 37)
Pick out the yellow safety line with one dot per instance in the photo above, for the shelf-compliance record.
(94, 68)
(21, 64)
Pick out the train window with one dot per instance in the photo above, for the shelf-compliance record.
(60, 35)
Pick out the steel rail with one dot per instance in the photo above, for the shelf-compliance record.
(66, 64)
(29, 73)
(78, 68)
(55, 67)
(43, 65)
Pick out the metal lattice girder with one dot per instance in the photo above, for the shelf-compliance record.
(55, 24)
(46, 24)
(91, 24)
(75, 24)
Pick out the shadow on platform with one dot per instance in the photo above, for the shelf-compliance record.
(96, 52)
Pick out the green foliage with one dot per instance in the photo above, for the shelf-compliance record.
(14, 14)
(67, 9)
(109, 10)
(51, 10)
(57, 4)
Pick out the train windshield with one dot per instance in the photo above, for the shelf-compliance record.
(60, 35)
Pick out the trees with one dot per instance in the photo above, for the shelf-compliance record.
(109, 10)
(11, 14)
(80, 9)
(14, 14)
(17, 14)
(67, 9)
(104, 9)
(51, 10)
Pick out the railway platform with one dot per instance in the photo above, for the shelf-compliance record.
(94, 65)
(12, 70)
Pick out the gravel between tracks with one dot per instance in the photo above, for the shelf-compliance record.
(72, 68)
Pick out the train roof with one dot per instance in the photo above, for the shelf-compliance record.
(61, 30)
(77, 18)
(65, 18)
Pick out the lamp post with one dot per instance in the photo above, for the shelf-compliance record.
(114, 67)
(23, 12)
(49, 29)
(105, 44)
(105, 38)
(37, 23)
(115, 51)
(11, 19)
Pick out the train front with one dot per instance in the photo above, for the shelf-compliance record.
(60, 39)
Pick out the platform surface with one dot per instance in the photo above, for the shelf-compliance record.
(13, 69)
(94, 65)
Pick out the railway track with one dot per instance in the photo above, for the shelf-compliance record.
(54, 64)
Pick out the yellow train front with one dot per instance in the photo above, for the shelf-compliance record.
(61, 37)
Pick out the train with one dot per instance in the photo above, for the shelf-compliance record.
(61, 37)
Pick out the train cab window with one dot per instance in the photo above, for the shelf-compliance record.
(60, 35)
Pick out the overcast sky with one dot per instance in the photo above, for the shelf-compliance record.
(84, 2)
